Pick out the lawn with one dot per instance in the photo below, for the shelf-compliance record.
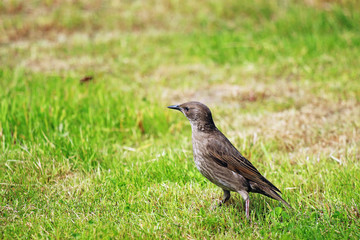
(105, 158)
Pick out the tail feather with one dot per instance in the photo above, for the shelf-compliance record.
(268, 190)
(270, 184)
(271, 193)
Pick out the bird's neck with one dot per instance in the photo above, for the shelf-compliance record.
(203, 127)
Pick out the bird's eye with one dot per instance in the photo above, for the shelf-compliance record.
(186, 109)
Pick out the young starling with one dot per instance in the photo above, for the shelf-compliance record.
(220, 162)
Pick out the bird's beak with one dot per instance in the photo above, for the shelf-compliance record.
(176, 107)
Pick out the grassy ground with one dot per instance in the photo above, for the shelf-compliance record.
(107, 159)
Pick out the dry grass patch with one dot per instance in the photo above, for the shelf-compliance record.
(318, 127)
(48, 18)
(309, 124)
(251, 90)
(321, 126)
(49, 64)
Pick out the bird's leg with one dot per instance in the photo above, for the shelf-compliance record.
(225, 198)
(245, 196)
(247, 210)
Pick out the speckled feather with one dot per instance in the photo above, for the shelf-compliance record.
(219, 161)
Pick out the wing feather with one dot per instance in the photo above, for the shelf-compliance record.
(226, 155)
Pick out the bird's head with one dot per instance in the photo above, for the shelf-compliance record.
(198, 114)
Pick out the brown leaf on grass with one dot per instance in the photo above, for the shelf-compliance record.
(140, 123)
(86, 79)
(141, 127)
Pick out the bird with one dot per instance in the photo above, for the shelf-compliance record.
(220, 162)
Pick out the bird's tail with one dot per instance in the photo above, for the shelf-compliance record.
(276, 196)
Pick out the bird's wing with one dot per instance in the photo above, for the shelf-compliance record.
(226, 155)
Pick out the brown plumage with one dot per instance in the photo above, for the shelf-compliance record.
(220, 162)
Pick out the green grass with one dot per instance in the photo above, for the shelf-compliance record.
(107, 159)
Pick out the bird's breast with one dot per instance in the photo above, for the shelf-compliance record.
(219, 175)
(203, 164)
(197, 152)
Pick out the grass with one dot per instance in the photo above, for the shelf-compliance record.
(106, 159)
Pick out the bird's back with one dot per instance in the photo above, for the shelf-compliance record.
(219, 161)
